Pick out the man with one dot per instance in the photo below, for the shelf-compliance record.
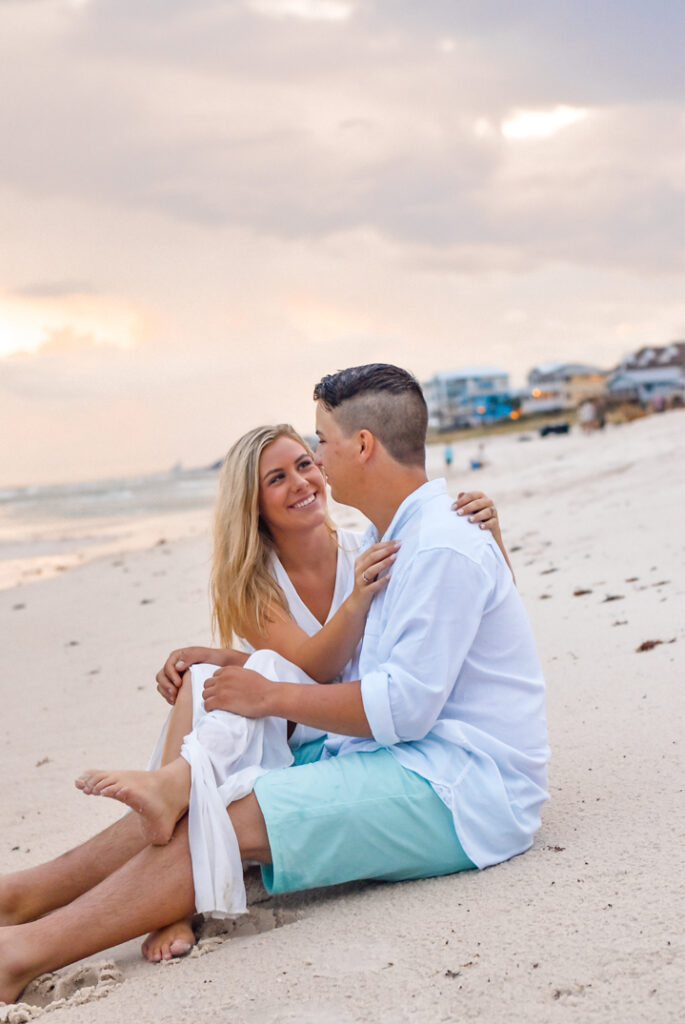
(435, 760)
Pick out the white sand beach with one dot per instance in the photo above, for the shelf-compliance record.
(585, 927)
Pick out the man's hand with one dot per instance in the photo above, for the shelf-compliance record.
(337, 708)
(239, 690)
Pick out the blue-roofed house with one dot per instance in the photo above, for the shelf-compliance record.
(454, 397)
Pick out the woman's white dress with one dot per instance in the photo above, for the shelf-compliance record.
(227, 752)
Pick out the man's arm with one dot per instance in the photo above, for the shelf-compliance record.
(336, 708)
(437, 608)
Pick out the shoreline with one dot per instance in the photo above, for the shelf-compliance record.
(65, 545)
(41, 549)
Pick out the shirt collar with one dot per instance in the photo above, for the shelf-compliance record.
(410, 505)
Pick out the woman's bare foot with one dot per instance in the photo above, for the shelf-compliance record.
(159, 797)
(166, 943)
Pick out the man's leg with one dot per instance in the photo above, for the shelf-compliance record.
(26, 895)
(381, 821)
(150, 890)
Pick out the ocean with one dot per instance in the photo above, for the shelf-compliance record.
(45, 530)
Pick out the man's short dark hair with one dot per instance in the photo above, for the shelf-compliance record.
(381, 398)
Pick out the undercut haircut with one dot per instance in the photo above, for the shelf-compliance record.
(383, 399)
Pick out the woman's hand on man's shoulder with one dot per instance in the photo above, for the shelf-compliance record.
(479, 508)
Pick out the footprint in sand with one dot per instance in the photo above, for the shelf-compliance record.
(265, 918)
(54, 991)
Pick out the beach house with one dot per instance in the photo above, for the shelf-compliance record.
(557, 386)
(458, 398)
(652, 374)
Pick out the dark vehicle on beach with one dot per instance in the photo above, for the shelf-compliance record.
(554, 428)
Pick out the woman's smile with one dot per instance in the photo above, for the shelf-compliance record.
(306, 502)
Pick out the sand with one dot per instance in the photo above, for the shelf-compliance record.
(585, 927)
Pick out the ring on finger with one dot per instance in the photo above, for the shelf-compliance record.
(365, 578)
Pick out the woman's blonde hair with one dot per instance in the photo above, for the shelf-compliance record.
(241, 585)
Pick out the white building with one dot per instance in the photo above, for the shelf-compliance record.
(450, 395)
(649, 373)
(557, 386)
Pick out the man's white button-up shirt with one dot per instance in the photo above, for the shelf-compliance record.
(450, 678)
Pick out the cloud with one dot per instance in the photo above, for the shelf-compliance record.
(30, 319)
(357, 125)
(305, 10)
(609, 52)
(224, 190)
(54, 289)
(541, 124)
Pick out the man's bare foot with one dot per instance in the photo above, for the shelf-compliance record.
(159, 797)
(166, 943)
(14, 973)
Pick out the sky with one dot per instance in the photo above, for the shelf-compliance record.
(206, 205)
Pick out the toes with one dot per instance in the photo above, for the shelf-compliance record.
(87, 781)
(150, 951)
(158, 947)
(179, 948)
(111, 789)
(104, 787)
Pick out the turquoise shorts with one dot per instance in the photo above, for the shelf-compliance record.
(354, 816)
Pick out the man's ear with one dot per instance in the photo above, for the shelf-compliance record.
(367, 445)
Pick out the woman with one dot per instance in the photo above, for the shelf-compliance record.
(283, 579)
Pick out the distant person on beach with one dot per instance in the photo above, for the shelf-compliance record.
(440, 736)
(592, 414)
(448, 457)
(478, 460)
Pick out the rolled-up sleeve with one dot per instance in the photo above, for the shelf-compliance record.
(376, 701)
(430, 619)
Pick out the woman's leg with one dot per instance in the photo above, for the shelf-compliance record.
(180, 721)
(176, 939)
(159, 797)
